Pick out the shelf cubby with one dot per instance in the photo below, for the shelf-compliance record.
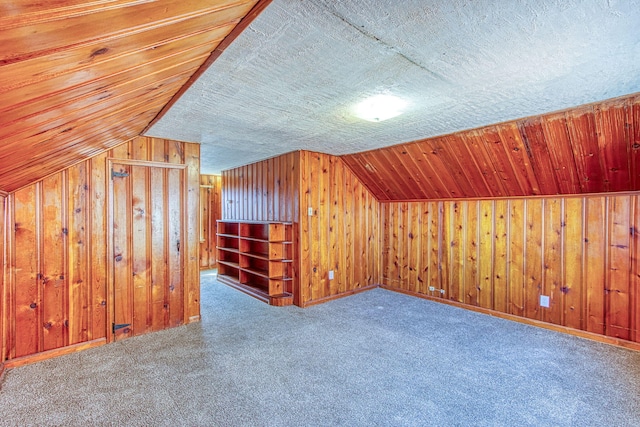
(257, 258)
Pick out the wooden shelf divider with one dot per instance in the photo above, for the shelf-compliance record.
(256, 257)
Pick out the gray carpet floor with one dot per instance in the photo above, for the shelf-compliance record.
(377, 358)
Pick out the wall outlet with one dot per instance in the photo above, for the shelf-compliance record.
(330, 274)
(544, 301)
(432, 288)
(442, 291)
(310, 211)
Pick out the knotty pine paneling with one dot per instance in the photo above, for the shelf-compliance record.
(55, 290)
(263, 191)
(81, 78)
(210, 212)
(588, 149)
(342, 234)
(502, 254)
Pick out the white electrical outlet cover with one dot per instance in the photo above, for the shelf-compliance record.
(310, 211)
(330, 274)
(544, 301)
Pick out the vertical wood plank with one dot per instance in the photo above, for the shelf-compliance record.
(413, 246)
(617, 315)
(358, 243)
(471, 274)
(573, 263)
(53, 278)
(535, 258)
(403, 245)
(139, 249)
(346, 274)
(517, 256)
(553, 260)
(500, 244)
(27, 300)
(458, 226)
(97, 234)
(485, 254)
(595, 247)
(159, 257)
(80, 290)
(176, 244)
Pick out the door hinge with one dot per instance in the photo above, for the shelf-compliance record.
(115, 174)
(116, 326)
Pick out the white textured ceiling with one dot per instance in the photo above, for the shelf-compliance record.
(291, 79)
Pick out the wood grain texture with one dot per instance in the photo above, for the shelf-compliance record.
(337, 215)
(66, 64)
(341, 234)
(56, 288)
(587, 149)
(502, 255)
(211, 211)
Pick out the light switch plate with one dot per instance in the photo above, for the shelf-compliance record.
(330, 274)
(310, 211)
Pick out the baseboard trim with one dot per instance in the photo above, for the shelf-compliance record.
(618, 342)
(49, 354)
(341, 295)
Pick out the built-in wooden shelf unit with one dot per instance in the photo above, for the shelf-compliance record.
(256, 257)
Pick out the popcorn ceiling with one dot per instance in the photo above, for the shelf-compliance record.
(291, 79)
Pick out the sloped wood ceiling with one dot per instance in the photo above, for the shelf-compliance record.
(79, 77)
(589, 149)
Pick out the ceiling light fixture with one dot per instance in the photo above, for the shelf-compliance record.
(380, 107)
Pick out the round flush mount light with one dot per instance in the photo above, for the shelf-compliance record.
(380, 107)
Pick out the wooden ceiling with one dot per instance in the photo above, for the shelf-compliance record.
(79, 77)
(589, 149)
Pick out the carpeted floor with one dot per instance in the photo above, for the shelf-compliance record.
(378, 358)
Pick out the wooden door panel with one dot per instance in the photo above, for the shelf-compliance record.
(148, 215)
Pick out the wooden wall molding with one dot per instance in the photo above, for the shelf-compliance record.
(33, 358)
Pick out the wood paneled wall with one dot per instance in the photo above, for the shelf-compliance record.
(56, 289)
(502, 255)
(263, 191)
(342, 234)
(210, 212)
(588, 149)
